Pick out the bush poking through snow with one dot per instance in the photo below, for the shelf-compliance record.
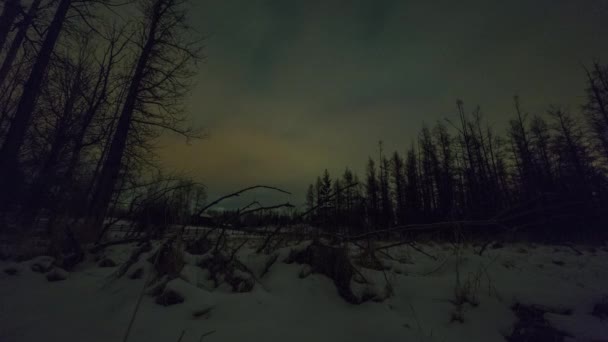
(223, 268)
(466, 292)
(137, 273)
(240, 281)
(170, 261)
(42, 264)
(305, 271)
(11, 271)
(70, 259)
(600, 309)
(532, 325)
(332, 262)
(145, 247)
(199, 246)
(457, 316)
(169, 297)
(106, 262)
(497, 245)
(268, 264)
(205, 313)
(373, 291)
(57, 274)
(156, 287)
(369, 260)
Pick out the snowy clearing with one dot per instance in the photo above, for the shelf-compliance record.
(460, 296)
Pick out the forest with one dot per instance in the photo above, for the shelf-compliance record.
(85, 91)
(546, 175)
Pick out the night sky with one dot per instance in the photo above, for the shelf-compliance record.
(290, 88)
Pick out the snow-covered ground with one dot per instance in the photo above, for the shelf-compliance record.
(455, 296)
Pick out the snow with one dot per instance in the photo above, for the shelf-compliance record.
(91, 306)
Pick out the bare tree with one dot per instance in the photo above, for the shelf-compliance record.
(596, 108)
(7, 18)
(23, 26)
(158, 83)
(25, 108)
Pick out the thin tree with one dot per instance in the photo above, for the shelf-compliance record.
(23, 27)
(398, 181)
(25, 108)
(372, 194)
(596, 107)
(7, 18)
(157, 86)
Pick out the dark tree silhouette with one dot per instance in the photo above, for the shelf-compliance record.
(9, 151)
(158, 83)
(7, 18)
(544, 175)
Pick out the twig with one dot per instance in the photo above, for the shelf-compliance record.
(248, 270)
(238, 193)
(237, 249)
(416, 318)
(234, 194)
(284, 205)
(396, 244)
(574, 249)
(426, 227)
(435, 269)
(141, 294)
(205, 335)
(483, 248)
(181, 336)
(327, 199)
(421, 251)
(101, 246)
(268, 238)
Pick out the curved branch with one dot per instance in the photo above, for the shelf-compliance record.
(238, 193)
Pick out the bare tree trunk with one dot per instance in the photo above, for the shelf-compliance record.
(9, 14)
(18, 40)
(45, 180)
(111, 168)
(16, 134)
(99, 95)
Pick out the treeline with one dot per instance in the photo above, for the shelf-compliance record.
(85, 89)
(263, 218)
(547, 170)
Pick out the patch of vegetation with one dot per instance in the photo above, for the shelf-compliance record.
(332, 262)
(11, 271)
(169, 297)
(600, 309)
(532, 325)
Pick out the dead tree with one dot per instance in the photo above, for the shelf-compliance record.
(596, 108)
(25, 108)
(11, 54)
(61, 103)
(157, 85)
(7, 18)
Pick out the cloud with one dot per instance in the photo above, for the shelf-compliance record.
(291, 88)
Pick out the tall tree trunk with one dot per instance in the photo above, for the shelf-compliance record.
(99, 96)
(46, 179)
(18, 40)
(9, 14)
(16, 134)
(111, 168)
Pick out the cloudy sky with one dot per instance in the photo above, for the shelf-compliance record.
(290, 88)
